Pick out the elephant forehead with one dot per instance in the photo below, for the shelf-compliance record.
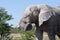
(34, 8)
(25, 20)
(27, 12)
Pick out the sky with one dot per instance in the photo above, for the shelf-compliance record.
(16, 8)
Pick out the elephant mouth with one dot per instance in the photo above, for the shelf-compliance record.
(29, 27)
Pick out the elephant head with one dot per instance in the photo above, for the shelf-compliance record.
(35, 14)
(30, 16)
(24, 24)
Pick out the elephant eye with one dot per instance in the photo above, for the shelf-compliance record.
(25, 22)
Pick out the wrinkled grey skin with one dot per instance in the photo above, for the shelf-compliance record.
(45, 18)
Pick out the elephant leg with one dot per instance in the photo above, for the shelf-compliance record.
(51, 35)
(39, 33)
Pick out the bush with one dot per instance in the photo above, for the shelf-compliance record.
(28, 35)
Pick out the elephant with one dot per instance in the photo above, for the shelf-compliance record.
(46, 19)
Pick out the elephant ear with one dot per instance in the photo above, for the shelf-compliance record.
(44, 16)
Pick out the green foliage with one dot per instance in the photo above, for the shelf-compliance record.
(28, 35)
(4, 26)
(4, 17)
(4, 29)
(14, 30)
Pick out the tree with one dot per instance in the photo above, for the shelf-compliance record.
(4, 26)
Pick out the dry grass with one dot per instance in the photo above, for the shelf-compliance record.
(45, 37)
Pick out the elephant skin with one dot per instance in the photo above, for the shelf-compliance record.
(46, 18)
